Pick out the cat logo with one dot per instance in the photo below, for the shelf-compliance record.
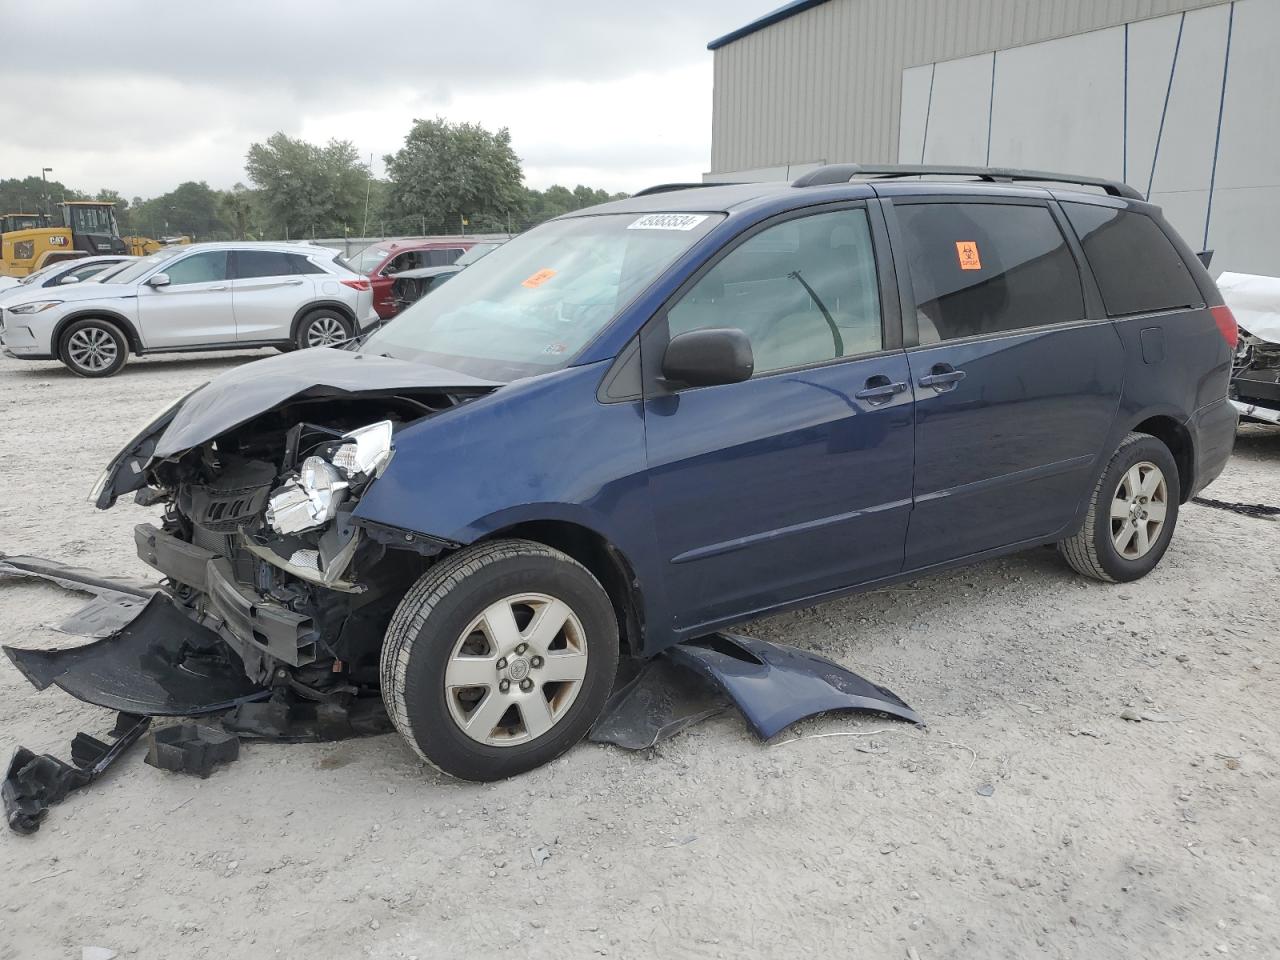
(57, 240)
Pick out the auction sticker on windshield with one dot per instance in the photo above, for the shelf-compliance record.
(668, 221)
(538, 279)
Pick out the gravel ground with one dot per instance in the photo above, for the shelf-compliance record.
(1029, 819)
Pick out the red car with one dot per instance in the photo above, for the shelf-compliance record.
(382, 260)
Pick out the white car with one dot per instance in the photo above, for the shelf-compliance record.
(206, 296)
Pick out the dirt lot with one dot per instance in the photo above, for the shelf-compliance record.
(1100, 837)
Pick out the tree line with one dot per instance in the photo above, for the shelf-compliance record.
(447, 178)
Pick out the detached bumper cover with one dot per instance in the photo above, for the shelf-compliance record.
(163, 664)
(1254, 411)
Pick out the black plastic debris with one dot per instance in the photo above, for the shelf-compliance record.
(658, 701)
(775, 685)
(191, 748)
(1261, 511)
(286, 718)
(116, 600)
(34, 782)
(163, 664)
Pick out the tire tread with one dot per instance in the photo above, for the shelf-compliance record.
(1081, 550)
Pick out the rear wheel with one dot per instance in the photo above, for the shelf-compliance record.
(1132, 514)
(93, 348)
(322, 328)
(499, 659)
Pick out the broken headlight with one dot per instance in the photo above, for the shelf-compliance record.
(328, 477)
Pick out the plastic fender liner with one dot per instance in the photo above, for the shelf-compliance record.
(162, 664)
(776, 685)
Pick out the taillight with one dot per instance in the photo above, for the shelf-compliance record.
(360, 284)
(1226, 322)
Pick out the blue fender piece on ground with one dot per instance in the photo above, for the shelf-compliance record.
(775, 685)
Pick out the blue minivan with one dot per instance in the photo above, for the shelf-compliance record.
(649, 420)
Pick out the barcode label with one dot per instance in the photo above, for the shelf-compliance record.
(668, 221)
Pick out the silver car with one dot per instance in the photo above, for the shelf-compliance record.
(206, 296)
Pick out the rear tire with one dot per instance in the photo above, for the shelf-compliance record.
(322, 328)
(93, 348)
(499, 659)
(1132, 514)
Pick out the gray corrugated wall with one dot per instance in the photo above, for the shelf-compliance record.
(826, 84)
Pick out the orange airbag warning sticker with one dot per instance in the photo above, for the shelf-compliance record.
(967, 252)
(538, 279)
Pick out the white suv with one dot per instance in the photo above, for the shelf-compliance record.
(206, 296)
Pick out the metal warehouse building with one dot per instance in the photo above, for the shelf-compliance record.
(1179, 98)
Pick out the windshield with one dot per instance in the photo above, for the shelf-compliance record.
(533, 303)
(111, 270)
(91, 220)
(366, 260)
(138, 267)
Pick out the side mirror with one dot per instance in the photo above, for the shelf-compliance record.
(705, 358)
(69, 279)
(158, 280)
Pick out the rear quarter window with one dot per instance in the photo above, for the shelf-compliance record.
(983, 268)
(1137, 268)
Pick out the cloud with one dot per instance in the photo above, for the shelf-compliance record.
(140, 97)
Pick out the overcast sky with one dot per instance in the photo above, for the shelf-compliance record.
(140, 96)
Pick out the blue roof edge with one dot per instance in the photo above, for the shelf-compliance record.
(768, 20)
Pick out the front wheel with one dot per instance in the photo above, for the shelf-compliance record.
(1132, 514)
(94, 348)
(499, 659)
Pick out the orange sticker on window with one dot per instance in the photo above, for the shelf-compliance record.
(967, 252)
(538, 279)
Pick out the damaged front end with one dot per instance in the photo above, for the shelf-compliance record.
(257, 541)
(1255, 373)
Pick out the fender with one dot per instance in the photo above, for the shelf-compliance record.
(99, 313)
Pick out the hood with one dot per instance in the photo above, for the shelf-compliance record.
(1254, 302)
(239, 395)
(68, 293)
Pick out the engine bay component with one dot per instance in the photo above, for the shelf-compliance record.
(34, 782)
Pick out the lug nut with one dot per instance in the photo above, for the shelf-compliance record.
(526, 685)
(536, 661)
(504, 686)
(502, 663)
(522, 648)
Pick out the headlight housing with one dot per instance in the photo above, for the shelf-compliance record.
(37, 306)
(326, 479)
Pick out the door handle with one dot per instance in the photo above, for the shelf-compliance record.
(942, 377)
(218, 288)
(293, 283)
(879, 389)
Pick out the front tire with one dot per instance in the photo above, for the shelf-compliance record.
(322, 328)
(499, 659)
(1132, 514)
(93, 348)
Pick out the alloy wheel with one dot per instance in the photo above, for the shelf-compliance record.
(516, 670)
(325, 332)
(92, 348)
(1138, 510)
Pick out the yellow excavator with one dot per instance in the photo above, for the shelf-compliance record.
(29, 242)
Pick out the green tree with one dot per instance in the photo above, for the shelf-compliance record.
(191, 209)
(308, 190)
(237, 207)
(542, 205)
(447, 173)
(28, 195)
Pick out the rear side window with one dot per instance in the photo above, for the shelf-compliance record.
(980, 268)
(270, 263)
(1137, 268)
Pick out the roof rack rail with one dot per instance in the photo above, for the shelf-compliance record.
(844, 172)
(669, 187)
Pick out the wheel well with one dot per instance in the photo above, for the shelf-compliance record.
(1174, 436)
(606, 563)
(130, 334)
(311, 308)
